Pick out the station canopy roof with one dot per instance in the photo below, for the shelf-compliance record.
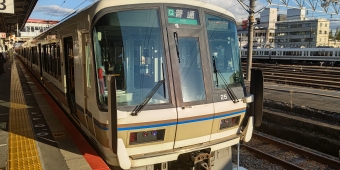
(22, 11)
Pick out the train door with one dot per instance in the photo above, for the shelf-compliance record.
(69, 70)
(86, 68)
(195, 108)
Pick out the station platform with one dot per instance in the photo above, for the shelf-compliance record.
(34, 132)
(320, 99)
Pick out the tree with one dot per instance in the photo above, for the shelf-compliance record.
(330, 35)
(337, 34)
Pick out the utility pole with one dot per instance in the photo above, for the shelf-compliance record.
(310, 36)
(251, 22)
(241, 42)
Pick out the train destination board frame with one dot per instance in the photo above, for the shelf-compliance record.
(183, 16)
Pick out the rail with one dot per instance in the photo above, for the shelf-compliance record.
(272, 159)
(306, 77)
(308, 154)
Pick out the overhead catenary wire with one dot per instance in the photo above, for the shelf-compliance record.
(72, 11)
(236, 4)
(57, 9)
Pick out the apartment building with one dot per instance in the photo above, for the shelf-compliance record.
(293, 30)
(302, 33)
(264, 31)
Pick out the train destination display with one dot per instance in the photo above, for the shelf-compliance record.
(183, 16)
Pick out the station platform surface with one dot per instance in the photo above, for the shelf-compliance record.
(34, 131)
(320, 99)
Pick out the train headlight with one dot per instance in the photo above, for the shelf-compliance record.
(154, 132)
(133, 137)
(229, 122)
(146, 136)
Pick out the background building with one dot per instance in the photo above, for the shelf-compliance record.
(264, 32)
(34, 27)
(268, 18)
(302, 33)
(287, 31)
(281, 17)
(296, 14)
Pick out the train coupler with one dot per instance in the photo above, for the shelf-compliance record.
(197, 160)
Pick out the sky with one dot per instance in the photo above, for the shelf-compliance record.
(58, 9)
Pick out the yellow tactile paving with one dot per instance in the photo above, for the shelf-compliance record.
(23, 153)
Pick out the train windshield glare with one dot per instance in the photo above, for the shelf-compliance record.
(191, 69)
(223, 47)
(129, 46)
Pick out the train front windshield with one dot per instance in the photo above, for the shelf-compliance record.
(223, 47)
(129, 46)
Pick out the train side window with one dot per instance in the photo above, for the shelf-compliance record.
(48, 56)
(53, 60)
(59, 63)
(43, 56)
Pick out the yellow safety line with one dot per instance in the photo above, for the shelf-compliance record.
(23, 153)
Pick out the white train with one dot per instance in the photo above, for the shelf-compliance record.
(155, 84)
(296, 54)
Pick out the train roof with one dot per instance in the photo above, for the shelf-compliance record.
(101, 4)
(93, 9)
(104, 3)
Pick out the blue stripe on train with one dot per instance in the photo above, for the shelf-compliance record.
(180, 122)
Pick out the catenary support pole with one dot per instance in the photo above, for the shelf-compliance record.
(250, 38)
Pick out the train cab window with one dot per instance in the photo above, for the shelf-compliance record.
(129, 46)
(223, 48)
(191, 75)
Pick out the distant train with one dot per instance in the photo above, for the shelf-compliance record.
(327, 55)
(155, 84)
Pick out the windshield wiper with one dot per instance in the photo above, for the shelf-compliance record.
(176, 43)
(139, 107)
(225, 84)
(215, 70)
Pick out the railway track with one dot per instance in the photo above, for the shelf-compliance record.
(288, 155)
(330, 74)
(311, 76)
